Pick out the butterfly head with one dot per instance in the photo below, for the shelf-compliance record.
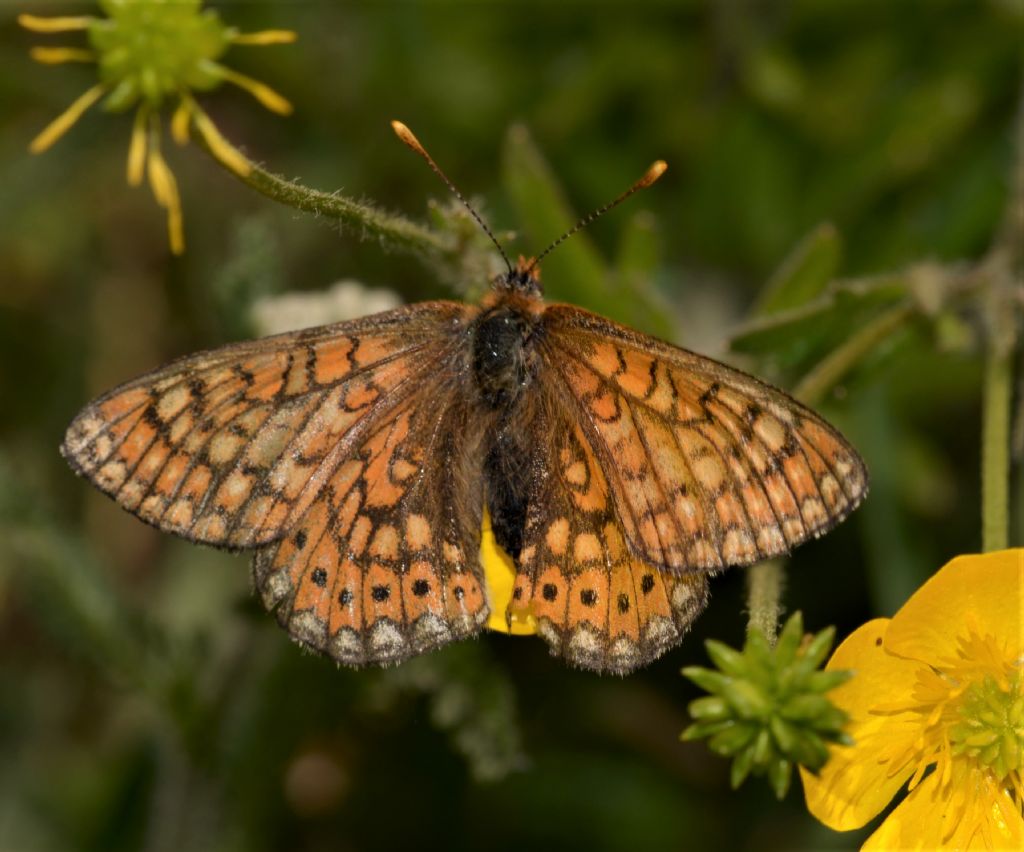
(522, 279)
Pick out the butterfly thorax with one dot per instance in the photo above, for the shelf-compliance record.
(505, 337)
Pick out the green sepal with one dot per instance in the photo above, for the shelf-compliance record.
(740, 769)
(707, 679)
(710, 708)
(780, 773)
(732, 739)
(727, 659)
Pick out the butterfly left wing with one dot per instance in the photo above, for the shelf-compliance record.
(384, 563)
(707, 466)
(228, 447)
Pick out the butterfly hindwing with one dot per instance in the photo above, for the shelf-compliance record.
(596, 602)
(707, 466)
(384, 563)
(230, 446)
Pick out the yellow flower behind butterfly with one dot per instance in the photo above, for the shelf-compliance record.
(937, 703)
(151, 53)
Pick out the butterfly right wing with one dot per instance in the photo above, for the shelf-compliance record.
(708, 466)
(229, 447)
(384, 563)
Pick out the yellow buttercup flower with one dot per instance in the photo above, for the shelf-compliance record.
(500, 576)
(149, 53)
(937, 703)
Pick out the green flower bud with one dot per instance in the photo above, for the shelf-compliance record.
(768, 710)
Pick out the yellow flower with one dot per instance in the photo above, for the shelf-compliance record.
(937, 703)
(149, 53)
(500, 575)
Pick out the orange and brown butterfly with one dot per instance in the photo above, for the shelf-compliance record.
(357, 460)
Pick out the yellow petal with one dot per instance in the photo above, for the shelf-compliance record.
(972, 812)
(60, 125)
(265, 37)
(165, 189)
(59, 55)
(984, 591)
(180, 121)
(137, 148)
(262, 92)
(860, 780)
(54, 25)
(500, 575)
(223, 150)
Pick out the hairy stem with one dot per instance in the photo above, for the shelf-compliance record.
(764, 596)
(395, 232)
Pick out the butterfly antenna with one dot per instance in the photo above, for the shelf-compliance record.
(656, 170)
(406, 135)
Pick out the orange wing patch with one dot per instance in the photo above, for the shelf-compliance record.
(596, 603)
(381, 565)
(707, 467)
(230, 447)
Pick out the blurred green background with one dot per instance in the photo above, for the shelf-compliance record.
(146, 701)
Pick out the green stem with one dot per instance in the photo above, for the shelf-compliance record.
(995, 449)
(764, 596)
(395, 232)
(843, 358)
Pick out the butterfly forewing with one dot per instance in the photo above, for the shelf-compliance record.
(707, 466)
(230, 447)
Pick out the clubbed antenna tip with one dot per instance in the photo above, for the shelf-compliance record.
(655, 171)
(409, 138)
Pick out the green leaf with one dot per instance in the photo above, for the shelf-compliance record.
(797, 339)
(574, 272)
(804, 273)
(637, 262)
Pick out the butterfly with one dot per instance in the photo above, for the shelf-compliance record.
(357, 459)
